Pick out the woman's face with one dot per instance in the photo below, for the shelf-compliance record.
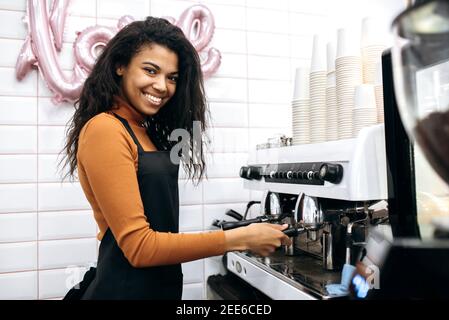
(149, 80)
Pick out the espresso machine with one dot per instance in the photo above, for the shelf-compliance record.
(331, 194)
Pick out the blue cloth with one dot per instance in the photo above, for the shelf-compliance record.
(342, 289)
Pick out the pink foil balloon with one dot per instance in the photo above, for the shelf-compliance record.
(26, 60)
(198, 25)
(123, 21)
(44, 50)
(211, 64)
(57, 20)
(88, 42)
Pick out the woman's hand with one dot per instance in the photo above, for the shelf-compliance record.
(260, 238)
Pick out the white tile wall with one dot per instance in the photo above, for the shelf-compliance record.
(306, 24)
(230, 41)
(18, 197)
(18, 139)
(18, 168)
(18, 286)
(9, 86)
(115, 8)
(46, 225)
(268, 115)
(193, 291)
(50, 114)
(225, 190)
(270, 68)
(229, 139)
(226, 89)
(268, 4)
(61, 196)
(84, 8)
(268, 91)
(18, 110)
(171, 8)
(55, 283)
(15, 227)
(13, 5)
(10, 51)
(190, 194)
(49, 169)
(267, 20)
(193, 271)
(64, 253)
(232, 66)
(18, 256)
(268, 44)
(190, 218)
(66, 224)
(51, 139)
(222, 165)
(12, 18)
(222, 14)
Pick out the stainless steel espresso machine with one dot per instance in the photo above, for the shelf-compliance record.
(331, 194)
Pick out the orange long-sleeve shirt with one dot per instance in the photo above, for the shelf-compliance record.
(107, 169)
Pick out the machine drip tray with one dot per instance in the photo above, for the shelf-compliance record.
(302, 268)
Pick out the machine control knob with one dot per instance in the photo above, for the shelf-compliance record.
(254, 173)
(244, 172)
(290, 175)
(331, 172)
(272, 174)
(310, 175)
(238, 267)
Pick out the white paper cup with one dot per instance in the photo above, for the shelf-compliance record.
(301, 85)
(378, 74)
(364, 97)
(331, 56)
(373, 32)
(347, 45)
(380, 103)
(318, 55)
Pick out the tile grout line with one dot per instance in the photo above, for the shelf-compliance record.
(37, 186)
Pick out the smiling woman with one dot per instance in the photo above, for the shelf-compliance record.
(146, 83)
(149, 81)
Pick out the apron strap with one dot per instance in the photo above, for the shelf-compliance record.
(130, 131)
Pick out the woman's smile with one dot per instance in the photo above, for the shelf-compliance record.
(153, 99)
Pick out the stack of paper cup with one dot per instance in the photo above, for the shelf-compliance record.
(301, 107)
(331, 95)
(318, 117)
(373, 44)
(379, 91)
(365, 111)
(348, 68)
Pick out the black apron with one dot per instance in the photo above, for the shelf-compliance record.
(115, 277)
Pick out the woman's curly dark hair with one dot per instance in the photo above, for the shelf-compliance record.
(187, 105)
